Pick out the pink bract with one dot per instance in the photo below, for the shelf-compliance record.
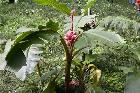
(70, 37)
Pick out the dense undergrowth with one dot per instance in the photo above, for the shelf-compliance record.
(13, 16)
(110, 62)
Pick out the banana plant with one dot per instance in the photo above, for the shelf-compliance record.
(22, 54)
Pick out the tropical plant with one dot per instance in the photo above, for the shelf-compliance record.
(23, 54)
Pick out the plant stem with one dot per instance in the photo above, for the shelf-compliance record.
(68, 65)
(67, 71)
(81, 79)
(39, 73)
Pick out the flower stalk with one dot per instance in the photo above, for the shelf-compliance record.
(69, 38)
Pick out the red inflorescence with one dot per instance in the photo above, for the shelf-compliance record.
(70, 37)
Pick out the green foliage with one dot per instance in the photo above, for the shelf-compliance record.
(9, 83)
(103, 36)
(50, 87)
(26, 39)
(115, 64)
(89, 4)
(122, 25)
(23, 42)
(79, 22)
(89, 37)
(113, 82)
(118, 8)
(23, 14)
(55, 4)
(27, 15)
(108, 61)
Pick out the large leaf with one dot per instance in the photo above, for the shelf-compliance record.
(24, 29)
(91, 36)
(3, 55)
(32, 59)
(79, 21)
(16, 58)
(55, 4)
(104, 36)
(82, 42)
